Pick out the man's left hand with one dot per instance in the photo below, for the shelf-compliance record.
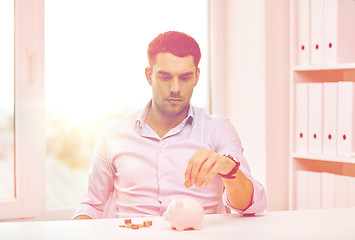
(204, 165)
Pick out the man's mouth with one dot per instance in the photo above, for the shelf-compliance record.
(174, 100)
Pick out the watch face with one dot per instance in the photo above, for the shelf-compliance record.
(231, 158)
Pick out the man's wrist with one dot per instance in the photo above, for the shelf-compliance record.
(234, 170)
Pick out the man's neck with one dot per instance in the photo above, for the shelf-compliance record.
(162, 123)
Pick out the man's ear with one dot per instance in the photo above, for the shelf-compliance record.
(197, 76)
(148, 75)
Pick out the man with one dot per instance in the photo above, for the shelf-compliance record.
(170, 148)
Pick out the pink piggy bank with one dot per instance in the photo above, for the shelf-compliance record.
(183, 214)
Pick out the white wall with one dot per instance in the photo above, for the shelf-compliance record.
(238, 75)
(277, 102)
(243, 79)
(247, 79)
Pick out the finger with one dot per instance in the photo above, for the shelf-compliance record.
(188, 174)
(211, 174)
(188, 183)
(196, 163)
(204, 170)
(188, 180)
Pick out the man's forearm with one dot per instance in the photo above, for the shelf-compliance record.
(239, 190)
(203, 167)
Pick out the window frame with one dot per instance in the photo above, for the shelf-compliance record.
(29, 112)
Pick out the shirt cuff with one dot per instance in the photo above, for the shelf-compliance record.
(258, 203)
(88, 210)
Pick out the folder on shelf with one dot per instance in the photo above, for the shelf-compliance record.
(330, 92)
(314, 190)
(330, 31)
(351, 191)
(301, 189)
(303, 22)
(346, 119)
(341, 191)
(316, 19)
(327, 190)
(339, 34)
(315, 118)
(301, 133)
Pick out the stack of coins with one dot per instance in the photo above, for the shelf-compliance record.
(128, 224)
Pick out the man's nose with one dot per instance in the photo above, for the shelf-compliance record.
(175, 86)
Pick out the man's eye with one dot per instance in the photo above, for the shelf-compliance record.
(164, 77)
(186, 78)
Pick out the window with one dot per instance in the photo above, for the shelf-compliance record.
(7, 164)
(23, 83)
(95, 56)
(95, 60)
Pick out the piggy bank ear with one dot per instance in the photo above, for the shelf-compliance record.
(179, 204)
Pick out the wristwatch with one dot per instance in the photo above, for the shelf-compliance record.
(234, 170)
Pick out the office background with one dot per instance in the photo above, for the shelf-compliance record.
(250, 71)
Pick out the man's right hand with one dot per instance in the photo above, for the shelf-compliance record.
(80, 217)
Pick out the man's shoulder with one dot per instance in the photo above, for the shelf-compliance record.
(125, 122)
(204, 115)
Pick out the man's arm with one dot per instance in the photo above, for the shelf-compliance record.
(239, 191)
(205, 164)
(100, 184)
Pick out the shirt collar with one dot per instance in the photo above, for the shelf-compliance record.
(143, 114)
(191, 114)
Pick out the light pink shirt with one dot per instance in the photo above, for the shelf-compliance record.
(137, 172)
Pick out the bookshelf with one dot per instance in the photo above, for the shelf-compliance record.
(303, 70)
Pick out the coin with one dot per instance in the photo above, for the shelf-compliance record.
(188, 183)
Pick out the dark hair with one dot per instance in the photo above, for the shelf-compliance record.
(177, 43)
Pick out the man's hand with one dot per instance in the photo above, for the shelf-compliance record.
(204, 165)
(81, 217)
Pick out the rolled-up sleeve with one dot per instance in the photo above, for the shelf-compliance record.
(230, 144)
(100, 185)
(258, 203)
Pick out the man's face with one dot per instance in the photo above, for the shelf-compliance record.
(172, 79)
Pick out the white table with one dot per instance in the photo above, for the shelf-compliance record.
(335, 224)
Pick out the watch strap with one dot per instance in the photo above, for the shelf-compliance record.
(234, 170)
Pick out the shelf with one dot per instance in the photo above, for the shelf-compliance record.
(340, 159)
(304, 19)
(343, 66)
